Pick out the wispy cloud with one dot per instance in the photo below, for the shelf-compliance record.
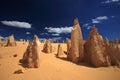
(1, 37)
(99, 19)
(28, 33)
(87, 26)
(110, 1)
(56, 34)
(17, 24)
(43, 33)
(55, 38)
(59, 30)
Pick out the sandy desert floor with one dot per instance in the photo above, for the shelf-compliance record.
(51, 68)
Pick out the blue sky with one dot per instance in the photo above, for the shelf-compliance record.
(53, 19)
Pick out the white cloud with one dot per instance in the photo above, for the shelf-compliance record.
(99, 19)
(59, 30)
(110, 1)
(28, 33)
(17, 24)
(55, 34)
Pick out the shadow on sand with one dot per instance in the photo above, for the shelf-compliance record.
(79, 63)
(22, 64)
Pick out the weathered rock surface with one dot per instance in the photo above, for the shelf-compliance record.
(68, 42)
(76, 52)
(95, 49)
(47, 48)
(60, 52)
(31, 57)
(107, 42)
(113, 51)
(11, 41)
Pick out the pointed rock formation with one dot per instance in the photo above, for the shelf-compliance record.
(68, 42)
(47, 48)
(107, 42)
(60, 52)
(63, 41)
(10, 41)
(31, 57)
(76, 52)
(0, 42)
(95, 49)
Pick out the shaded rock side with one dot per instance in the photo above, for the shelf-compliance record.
(113, 51)
(47, 48)
(11, 41)
(68, 42)
(31, 57)
(95, 50)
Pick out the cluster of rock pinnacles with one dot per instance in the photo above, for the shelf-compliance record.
(95, 50)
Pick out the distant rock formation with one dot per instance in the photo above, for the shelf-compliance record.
(113, 50)
(107, 42)
(68, 42)
(95, 49)
(0, 42)
(60, 52)
(47, 48)
(63, 41)
(11, 41)
(76, 52)
(31, 57)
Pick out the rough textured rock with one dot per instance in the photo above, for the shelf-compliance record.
(76, 52)
(115, 55)
(95, 50)
(47, 48)
(116, 41)
(0, 43)
(60, 52)
(113, 51)
(10, 41)
(107, 42)
(68, 42)
(31, 57)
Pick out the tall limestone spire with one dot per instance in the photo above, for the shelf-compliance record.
(76, 51)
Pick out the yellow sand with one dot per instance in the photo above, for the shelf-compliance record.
(51, 68)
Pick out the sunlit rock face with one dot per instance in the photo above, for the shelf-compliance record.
(76, 50)
(60, 51)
